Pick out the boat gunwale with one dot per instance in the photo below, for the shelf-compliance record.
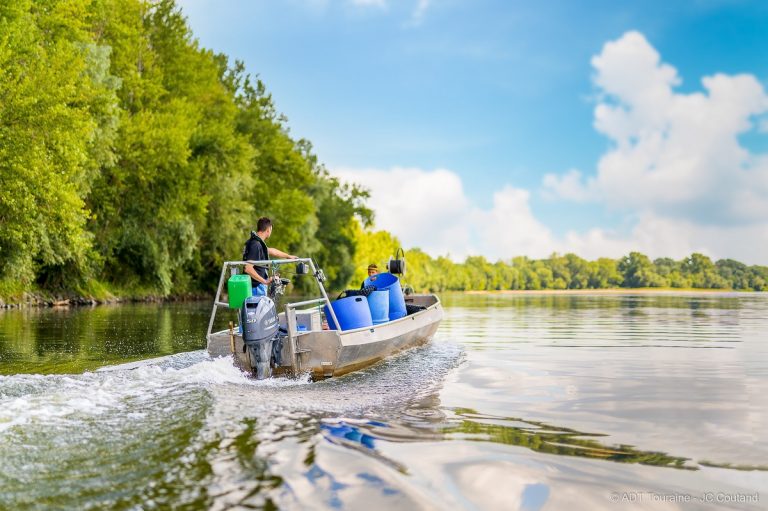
(372, 328)
(394, 321)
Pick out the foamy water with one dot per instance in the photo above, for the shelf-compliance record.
(119, 428)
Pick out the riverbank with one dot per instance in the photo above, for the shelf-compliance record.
(41, 299)
(38, 300)
(610, 291)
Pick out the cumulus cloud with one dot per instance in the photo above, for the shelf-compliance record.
(676, 172)
(676, 160)
(416, 205)
(567, 186)
(510, 228)
(429, 209)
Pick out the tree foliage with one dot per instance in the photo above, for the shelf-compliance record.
(57, 120)
(133, 160)
(131, 156)
(570, 271)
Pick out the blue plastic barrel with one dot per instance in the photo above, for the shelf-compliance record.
(352, 312)
(382, 281)
(378, 302)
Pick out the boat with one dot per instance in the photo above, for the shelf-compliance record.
(302, 341)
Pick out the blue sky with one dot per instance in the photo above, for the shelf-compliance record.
(493, 96)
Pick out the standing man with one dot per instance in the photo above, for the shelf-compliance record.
(256, 250)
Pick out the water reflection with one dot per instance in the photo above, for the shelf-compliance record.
(351, 433)
(470, 425)
(522, 402)
(68, 341)
(542, 437)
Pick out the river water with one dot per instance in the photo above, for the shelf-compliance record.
(552, 401)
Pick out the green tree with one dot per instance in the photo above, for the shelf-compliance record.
(604, 273)
(422, 271)
(561, 274)
(545, 276)
(53, 82)
(665, 266)
(638, 271)
(508, 276)
(736, 274)
(377, 247)
(758, 278)
(702, 272)
(579, 271)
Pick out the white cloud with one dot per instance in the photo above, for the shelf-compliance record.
(676, 171)
(420, 207)
(430, 210)
(509, 228)
(676, 161)
(568, 186)
(674, 153)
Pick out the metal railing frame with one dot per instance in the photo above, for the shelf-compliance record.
(269, 264)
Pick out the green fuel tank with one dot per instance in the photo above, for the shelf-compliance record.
(238, 289)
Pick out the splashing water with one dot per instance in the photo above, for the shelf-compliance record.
(141, 434)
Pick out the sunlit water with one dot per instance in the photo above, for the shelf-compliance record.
(521, 402)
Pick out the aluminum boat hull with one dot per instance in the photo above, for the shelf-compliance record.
(329, 353)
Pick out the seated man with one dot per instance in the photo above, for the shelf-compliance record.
(256, 250)
(372, 270)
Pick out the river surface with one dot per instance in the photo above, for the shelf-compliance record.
(588, 401)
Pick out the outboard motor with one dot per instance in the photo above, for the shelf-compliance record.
(260, 331)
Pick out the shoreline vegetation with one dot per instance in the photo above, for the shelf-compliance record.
(570, 272)
(608, 291)
(567, 274)
(134, 162)
(32, 300)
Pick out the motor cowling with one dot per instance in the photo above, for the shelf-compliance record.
(258, 319)
(261, 334)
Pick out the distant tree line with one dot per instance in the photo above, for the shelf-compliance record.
(134, 162)
(570, 271)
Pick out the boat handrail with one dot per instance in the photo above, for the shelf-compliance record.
(269, 262)
(318, 276)
(296, 305)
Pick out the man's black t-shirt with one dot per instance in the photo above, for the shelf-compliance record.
(256, 250)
